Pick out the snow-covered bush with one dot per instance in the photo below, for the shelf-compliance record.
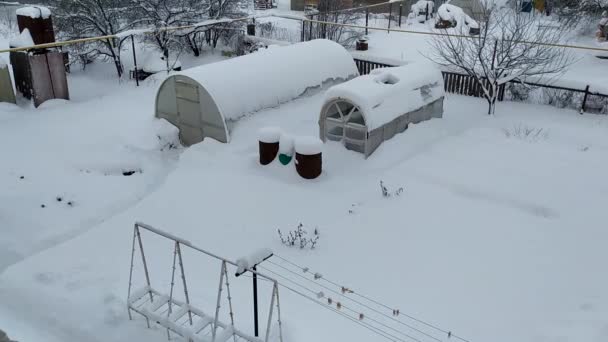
(334, 11)
(271, 31)
(300, 238)
(560, 98)
(456, 17)
(518, 92)
(386, 192)
(525, 133)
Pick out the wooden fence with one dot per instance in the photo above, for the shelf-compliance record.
(453, 82)
(462, 84)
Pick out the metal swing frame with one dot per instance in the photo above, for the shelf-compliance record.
(166, 311)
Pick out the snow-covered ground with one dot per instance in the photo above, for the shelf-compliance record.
(498, 235)
(494, 237)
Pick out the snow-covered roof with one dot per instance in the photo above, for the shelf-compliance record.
(453, 13)
(24, 39)
(34, 12)
(273, 76)
(387, 93)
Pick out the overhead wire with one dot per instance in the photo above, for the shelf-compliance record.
(345, 307)
(358, 302)
(367, 325)
(392, 309)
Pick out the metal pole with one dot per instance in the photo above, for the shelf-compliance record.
(181, 266)
(390, 13)
(303, 28)
(255, 303)
(279, 315)
(135, 60)
(143, 258)
(171, 290)
(131, 275)
(400, 13)
(219, 296)
(585, 99)
(274, 289)
(229, 302)
(366, 20)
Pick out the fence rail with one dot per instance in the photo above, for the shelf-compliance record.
(466, 85)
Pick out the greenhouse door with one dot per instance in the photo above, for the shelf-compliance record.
(188, 112)
(344, 122)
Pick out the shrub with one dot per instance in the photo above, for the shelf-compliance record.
(299, 238)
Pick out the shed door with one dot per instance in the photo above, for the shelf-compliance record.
(188, 112)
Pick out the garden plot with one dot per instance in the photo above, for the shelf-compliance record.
(497, 234)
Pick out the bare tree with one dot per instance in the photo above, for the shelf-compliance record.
(91, 18)
(161, 14)
(339, 12)
(510, 47)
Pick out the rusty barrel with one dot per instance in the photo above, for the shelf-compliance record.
(309, 159)
(268, 140)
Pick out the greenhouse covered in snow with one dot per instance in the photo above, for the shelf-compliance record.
(201, 102)
(368, 110)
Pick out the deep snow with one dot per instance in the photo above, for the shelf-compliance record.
(495, 238)
(498, 235)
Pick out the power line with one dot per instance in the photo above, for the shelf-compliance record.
(367, 326)
(358, 302)
(343, 306)
(393, 310)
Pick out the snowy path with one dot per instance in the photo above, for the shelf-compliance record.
(63, 167)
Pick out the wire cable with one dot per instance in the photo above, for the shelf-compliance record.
(366, 325)
(358, 302)
(306, 270)
(344, 306)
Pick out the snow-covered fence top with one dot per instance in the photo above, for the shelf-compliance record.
(34, 12)
(272, 76)
(387, 93)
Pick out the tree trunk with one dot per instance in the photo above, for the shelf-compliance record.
(115, 58)
(491, 105)
(193, 46)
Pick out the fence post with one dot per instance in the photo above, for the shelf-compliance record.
(135, 61)
(400, 13)
(426, 14)
(390, 13)
(585, 100)
(303, 28)
(310, 28)
(366, 19)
